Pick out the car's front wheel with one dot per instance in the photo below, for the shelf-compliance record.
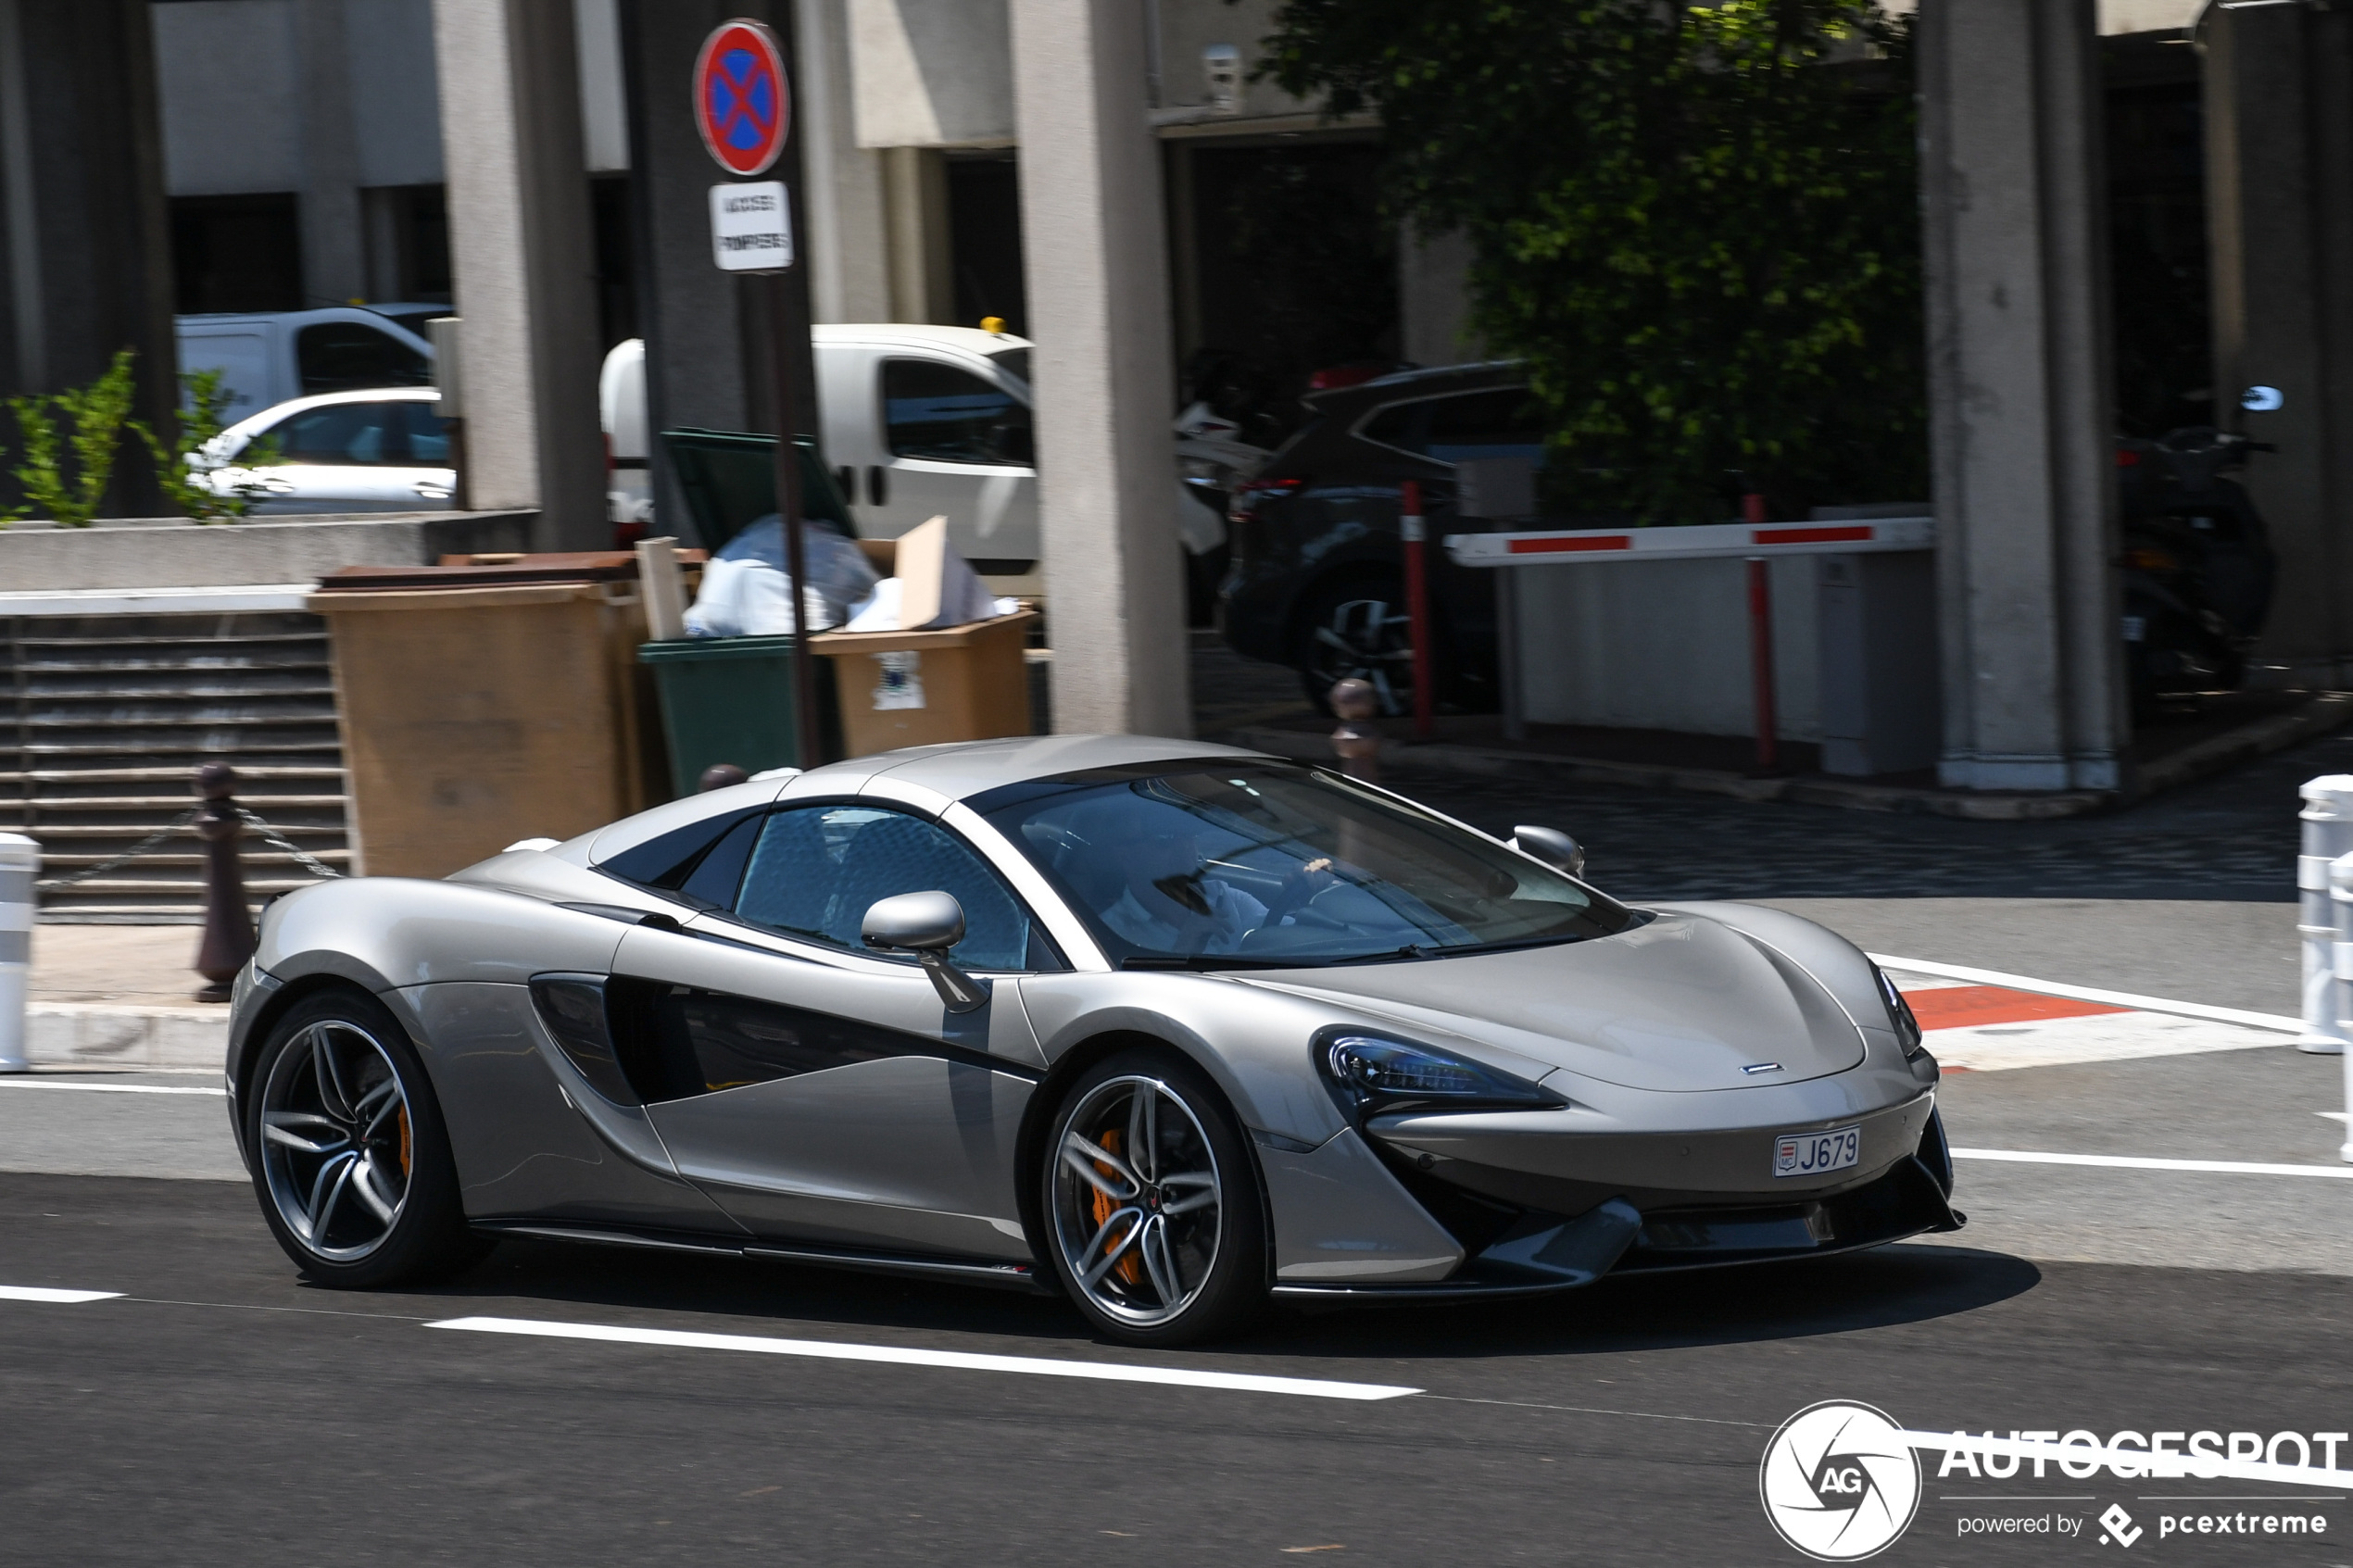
(1153, 1221)
(350, 1158)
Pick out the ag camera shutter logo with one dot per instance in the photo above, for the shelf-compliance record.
(1839, 1482)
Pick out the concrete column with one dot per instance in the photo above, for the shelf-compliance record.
(335, 268)
(1433, 298)
(2279, 141)
(848, 241)
(922, 279)
(1096, 266)
(519, 245)
(85, 247)
(2019, 394)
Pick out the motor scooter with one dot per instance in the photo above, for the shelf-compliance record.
(1210, 460)
(2199, 565)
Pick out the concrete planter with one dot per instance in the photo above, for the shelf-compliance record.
(172, 552)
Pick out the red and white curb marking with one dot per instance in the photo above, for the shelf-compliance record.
(1983, 1020)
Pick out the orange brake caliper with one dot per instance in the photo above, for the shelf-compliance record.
(404, 1141)
(1130, 1268)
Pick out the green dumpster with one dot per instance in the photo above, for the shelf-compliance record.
(730, 699)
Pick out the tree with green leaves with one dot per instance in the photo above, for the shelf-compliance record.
(1697, 225)
(96, 412)
(186, 468)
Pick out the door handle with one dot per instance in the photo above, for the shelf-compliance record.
(877, 486)
(432, 492)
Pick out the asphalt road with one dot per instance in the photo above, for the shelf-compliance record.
(223, 1411)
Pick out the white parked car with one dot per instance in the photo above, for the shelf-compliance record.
(267, 359)
(381, 450)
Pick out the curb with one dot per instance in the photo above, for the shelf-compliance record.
(2324, 712)
(107, 1035)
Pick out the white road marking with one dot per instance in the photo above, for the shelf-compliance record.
(2137, 1163)
(43, 1293)
(895, 1355)
(2272, 1022)
(15, 1083)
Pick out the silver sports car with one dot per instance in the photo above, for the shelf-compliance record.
(1171, 1028)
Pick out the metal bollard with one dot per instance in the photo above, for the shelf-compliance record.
(228, 920)
(1357, 743)
(19, 867)
(2328, 833)
(2340, 879)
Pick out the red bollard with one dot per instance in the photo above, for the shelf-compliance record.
(1413, 531)
(1760, 661)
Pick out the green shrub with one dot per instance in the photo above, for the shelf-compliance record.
(97, 412)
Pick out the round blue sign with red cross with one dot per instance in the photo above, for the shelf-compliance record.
(742, 104)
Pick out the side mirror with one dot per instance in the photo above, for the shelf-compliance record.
(1551, 846)
(926, 924)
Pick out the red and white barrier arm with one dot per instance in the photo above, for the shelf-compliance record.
(1569, 547)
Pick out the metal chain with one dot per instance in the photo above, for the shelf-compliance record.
(276, 840)
(132, 853)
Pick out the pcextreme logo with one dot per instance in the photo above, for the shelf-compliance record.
(1839, 1481)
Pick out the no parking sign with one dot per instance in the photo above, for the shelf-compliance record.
(743, 103)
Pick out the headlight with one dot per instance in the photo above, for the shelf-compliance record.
(1380, 1074)
(1899, 1017)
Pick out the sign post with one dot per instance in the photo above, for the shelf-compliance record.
(743, 108)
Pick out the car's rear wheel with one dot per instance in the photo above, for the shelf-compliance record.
(1152, 1214)
(351, 1161)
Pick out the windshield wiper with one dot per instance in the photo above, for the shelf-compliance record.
(1205, 961)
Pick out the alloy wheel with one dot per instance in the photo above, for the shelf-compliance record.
(336, 1140)
(1370, 640)
(1137, 1201)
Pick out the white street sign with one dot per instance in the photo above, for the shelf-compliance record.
(752, 226)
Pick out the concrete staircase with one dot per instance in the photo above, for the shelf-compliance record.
(104, 719)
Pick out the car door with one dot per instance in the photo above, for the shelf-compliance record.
(956, 444)
(821, 1092)
(338, 458)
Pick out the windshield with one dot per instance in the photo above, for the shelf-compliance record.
(1266, 863)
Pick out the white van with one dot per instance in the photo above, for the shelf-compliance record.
(273, 358)
(917, 422)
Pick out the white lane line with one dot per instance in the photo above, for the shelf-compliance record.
(43, 1293)
(823, 1349)
(2136, 1162)
(2088, 993)
(14, 1083)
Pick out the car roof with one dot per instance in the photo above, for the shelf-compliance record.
(968, 768)
(1422, 382)
(928, 776)
(970, 339)
(321, 399)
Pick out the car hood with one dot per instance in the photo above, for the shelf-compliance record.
(1681, 1002)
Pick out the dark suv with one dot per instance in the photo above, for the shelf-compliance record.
(1318, 580)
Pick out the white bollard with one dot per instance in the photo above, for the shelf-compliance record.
(2328, 833)
(2341, 967)
(19, 864)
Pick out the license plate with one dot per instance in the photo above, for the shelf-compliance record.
(1814, 1154)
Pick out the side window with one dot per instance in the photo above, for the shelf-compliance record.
(346, 355)
(1503, 423)
(950, 416)
(344, 434)
(817, 869)
(428, 434)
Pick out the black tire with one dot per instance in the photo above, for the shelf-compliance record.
(1219, 1278)
(351, 1158)
(1368, 616)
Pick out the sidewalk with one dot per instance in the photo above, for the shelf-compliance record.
(121, 996)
